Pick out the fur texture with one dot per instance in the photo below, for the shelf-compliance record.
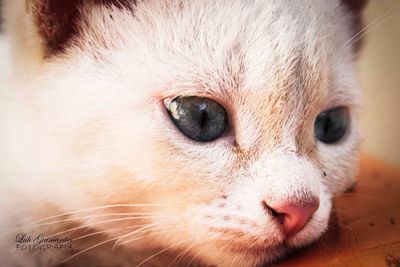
(83, 126)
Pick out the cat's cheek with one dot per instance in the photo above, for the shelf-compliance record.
(217, 221)
(339, 162)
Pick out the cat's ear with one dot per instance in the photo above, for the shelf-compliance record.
(57, 21)
(355, 7)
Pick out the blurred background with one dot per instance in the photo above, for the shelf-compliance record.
(379, 69)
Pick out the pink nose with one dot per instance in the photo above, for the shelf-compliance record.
(293, 216)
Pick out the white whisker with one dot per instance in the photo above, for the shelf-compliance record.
(118, 243)
(139, 230)
(115, 220)
(99, 244)
(370, 26)
(195, 256)
(183, 253)
(35, 223)
(102, 222)
(162, 251)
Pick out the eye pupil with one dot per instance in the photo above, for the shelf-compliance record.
(327, 124)
(199, 118)
(331, 125)
(203, 119)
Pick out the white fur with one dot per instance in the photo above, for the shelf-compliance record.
(88, 128)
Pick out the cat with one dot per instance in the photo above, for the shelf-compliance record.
(175, 132)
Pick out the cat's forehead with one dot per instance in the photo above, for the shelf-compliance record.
(267, 33)
(203, 33)
(271, 64)
(240, 45)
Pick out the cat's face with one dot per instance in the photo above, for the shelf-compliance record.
(120, 104)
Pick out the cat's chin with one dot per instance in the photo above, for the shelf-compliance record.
(254, 253)
(257, 256)
(250, 257)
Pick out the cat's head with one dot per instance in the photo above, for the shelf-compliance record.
(233, 123)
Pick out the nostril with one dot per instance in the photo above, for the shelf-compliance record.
(293, 216)
(268, 209)
(279, 216)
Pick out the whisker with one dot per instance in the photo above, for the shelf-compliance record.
(162, 251)
(101, 222)
(98, 208)
(99, 244)
(93, 234)
(370, 26)
(106, 231)
(142, 236)
(85, 250)
(82, 211)
(139, 230)
(119, 243)
(135, 239)
(183, 253)
(195, 256)
(119, 219)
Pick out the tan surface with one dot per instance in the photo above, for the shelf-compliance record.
(365, 230)
(379, 71)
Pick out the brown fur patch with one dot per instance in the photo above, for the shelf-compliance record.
(301, 89)
(57, 20)
(308, 98)
(356, 7)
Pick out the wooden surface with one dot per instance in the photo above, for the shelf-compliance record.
(365, 229)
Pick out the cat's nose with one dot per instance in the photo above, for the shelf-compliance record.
(293, 216)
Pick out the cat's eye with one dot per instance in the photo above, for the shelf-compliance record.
(331, 125)
(199, 118)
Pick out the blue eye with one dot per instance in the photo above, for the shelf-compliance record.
(200, 119)
(332, 125)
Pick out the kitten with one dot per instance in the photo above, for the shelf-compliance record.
(211, 132)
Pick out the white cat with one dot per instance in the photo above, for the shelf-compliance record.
(214, 132)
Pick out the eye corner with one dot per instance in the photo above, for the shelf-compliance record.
(167, 101)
